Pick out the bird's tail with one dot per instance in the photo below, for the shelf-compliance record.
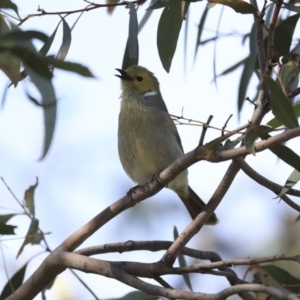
(195, 205)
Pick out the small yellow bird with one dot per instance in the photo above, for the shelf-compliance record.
(148, 140)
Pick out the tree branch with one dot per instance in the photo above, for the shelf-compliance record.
(48, 269)
(276, 188)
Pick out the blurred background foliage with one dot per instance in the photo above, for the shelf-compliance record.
(26, 60)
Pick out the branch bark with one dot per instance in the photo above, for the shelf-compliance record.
(49, 268)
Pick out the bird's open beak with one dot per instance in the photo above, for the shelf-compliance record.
(124, 75)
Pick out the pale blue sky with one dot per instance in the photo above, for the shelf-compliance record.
(82, 174)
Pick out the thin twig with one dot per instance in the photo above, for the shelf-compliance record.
(225, 125)
(92, 6)
(204, 129)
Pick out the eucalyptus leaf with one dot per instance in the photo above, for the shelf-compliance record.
(290, 182)
(13, 283)
(68, 66)
(275, 123)
(48, 43)
(282, 152)
(9, 4)
(66, 41)
(47, 92)
(283, 36)
(29, 198)
(283, 277)
(248, 69)
(281, 105)
(4, 228)
(168, 32)
(133, 32)
(251, 136)
(32, 236)
(238, 5)
(200, 30)
(157, 4)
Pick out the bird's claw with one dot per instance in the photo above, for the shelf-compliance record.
(155, 178)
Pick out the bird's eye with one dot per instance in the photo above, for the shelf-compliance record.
(140, 78)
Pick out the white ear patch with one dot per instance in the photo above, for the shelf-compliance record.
(149, 94)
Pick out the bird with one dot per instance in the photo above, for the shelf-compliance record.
(148, 140)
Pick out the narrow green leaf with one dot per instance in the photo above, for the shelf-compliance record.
(3, 26)
(215, 144)
(215, 49)
(29, 198)
(238, 5)
(13, 61)
(248, 68)
(275, 123)
(144, 20)
(46, 90)
(3, 100)
(231, 144)
(4, 228)
(185, 40)
(37, 102)
(14, 283)
(157, 4)
(284, 35)
(182, 262)
(284, 278)
(11, 5)
(168, 32)
(290, 182)
(233, 68)
(282, 152)
(5, 218)
(46, 47)
(68, 66)
(32, 236)
(281, 105)
(200, 30)
(251, 136)
(7, 229)
(292, 7)
(10, 65)
(131, 54)
(31, 59)
(19, 37)
(74, 24)
(127, 61)
(66, 41)
(288, 73)
(133, 32)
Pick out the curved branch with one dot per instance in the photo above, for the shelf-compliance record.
(276, 188)
(122, 271)
(215, 258)
(260, 146)
(48, 270)
(172, 253)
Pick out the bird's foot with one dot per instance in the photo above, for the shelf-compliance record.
(132, 191)
(155, 178)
